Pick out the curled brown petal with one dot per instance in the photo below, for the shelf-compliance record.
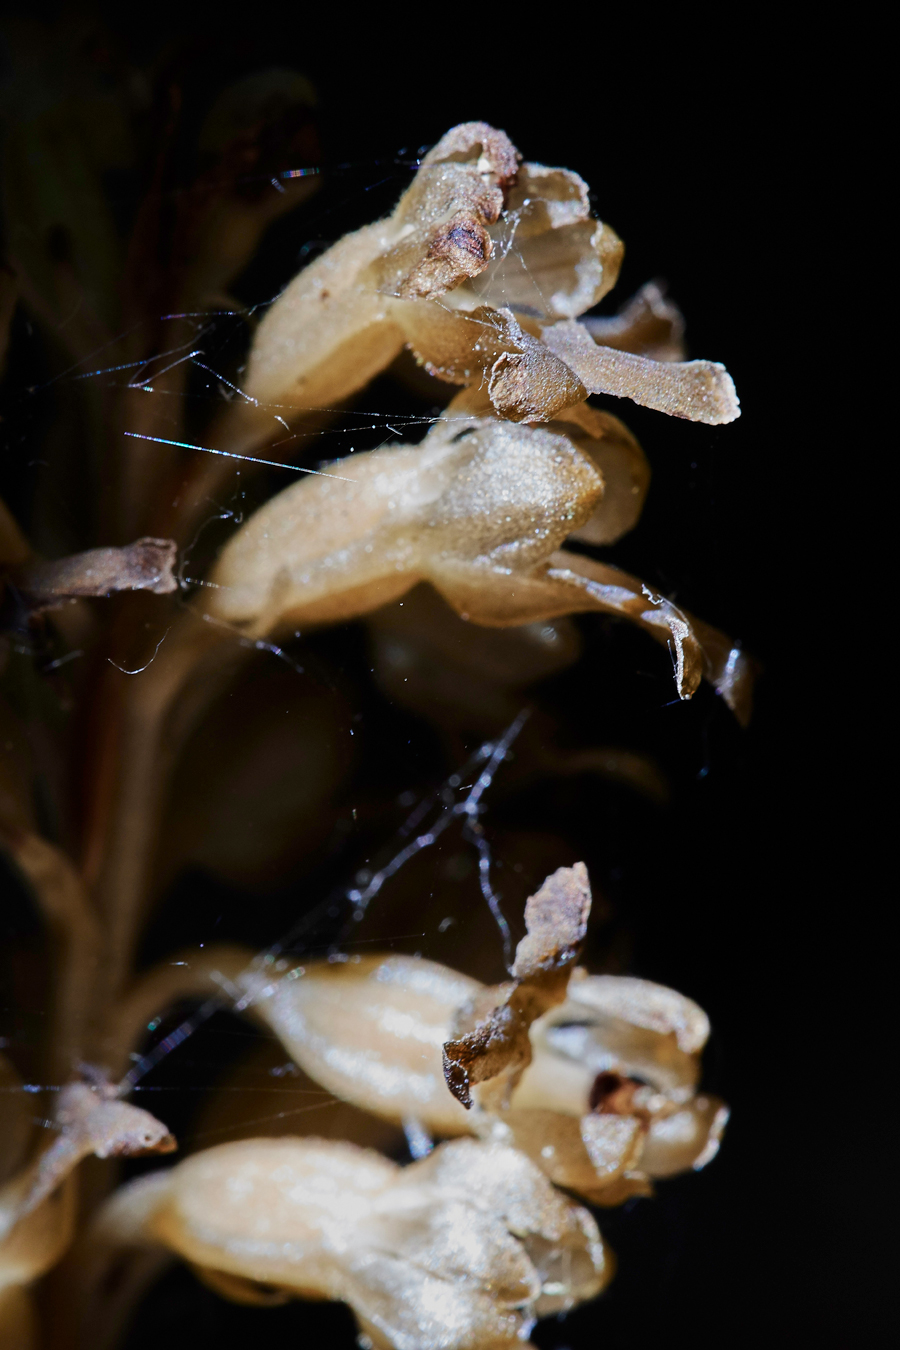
(701, 391)
(499, 158)
(491, 1032)
(618, 593)
(697, 649)
(146, 565)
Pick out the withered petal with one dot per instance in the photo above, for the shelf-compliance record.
(89, 1120)
(556, 922)
(491, 1031)
(146, 565)
(617, 592)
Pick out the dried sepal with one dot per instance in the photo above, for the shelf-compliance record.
(37, 1205)
(145, 565)
(462, 1249)
(641, 1003)
(490, 1033)
(688, 1138)
(88, 1119)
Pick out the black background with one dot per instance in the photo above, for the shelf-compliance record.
(702, 139)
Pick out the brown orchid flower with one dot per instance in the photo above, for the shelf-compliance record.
(480, 510)
(482, 270)
(463, 1249)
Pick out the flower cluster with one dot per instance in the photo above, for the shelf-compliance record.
(555, 1078)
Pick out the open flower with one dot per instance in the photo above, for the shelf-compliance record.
(482, 269)
(593, 1077)
(480, 510)
(463, 1249)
